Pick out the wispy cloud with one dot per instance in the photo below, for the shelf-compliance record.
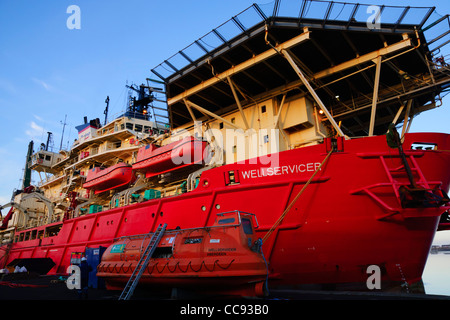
(35, 131)
(43, 84)
(37, 117)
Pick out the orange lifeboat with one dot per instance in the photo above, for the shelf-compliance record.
(157, 160)
(104, 179)
(224, 258)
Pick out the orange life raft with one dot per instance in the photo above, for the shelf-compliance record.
(103, 179)
(224, 258)
(179, 154)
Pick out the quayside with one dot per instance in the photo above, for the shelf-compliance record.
(299, 114)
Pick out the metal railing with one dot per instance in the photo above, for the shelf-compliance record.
(322, 12)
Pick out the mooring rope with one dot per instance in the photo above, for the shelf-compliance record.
(280, 219)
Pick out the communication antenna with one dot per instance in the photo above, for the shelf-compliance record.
(62, 135)
(106, 109)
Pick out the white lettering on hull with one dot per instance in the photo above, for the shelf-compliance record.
(281, 170)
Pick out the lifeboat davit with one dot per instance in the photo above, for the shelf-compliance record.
(155, 160)
(103, 179)
(225, 258)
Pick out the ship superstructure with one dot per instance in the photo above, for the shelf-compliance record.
(289, 114)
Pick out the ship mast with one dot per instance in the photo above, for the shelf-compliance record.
(62, 135)
(27, 172)
(106, 110)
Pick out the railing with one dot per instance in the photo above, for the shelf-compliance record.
(323, 12)
(438, 39)
(397, 178)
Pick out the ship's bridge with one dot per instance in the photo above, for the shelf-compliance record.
(43, 161)
(364, 66)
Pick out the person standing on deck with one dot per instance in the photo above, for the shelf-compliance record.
(84, 275)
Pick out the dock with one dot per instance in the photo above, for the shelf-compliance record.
(50, 288)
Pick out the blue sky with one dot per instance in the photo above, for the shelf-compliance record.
(48, 71)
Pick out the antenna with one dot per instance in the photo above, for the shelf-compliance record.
(49, 140)
(106, 109)
(62, 135)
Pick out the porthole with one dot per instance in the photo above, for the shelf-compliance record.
(203, 208)
(217, 206)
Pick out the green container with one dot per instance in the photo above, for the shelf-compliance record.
(151, 194)
(183, 187)
(94, 208)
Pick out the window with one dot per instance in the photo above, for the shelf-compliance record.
(231, 175)
(263, 109)
(247, 224)
(52, 231)
(192, 240)
(266, 138)
(221, 125)
(48, 158)
(117, 144)
(138, 127)
(226, 221)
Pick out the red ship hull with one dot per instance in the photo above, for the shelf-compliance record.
(349, 217)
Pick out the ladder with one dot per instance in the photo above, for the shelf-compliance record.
(143, 262)
(398, 177)
(161, 118)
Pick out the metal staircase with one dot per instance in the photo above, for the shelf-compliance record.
(143, 262)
